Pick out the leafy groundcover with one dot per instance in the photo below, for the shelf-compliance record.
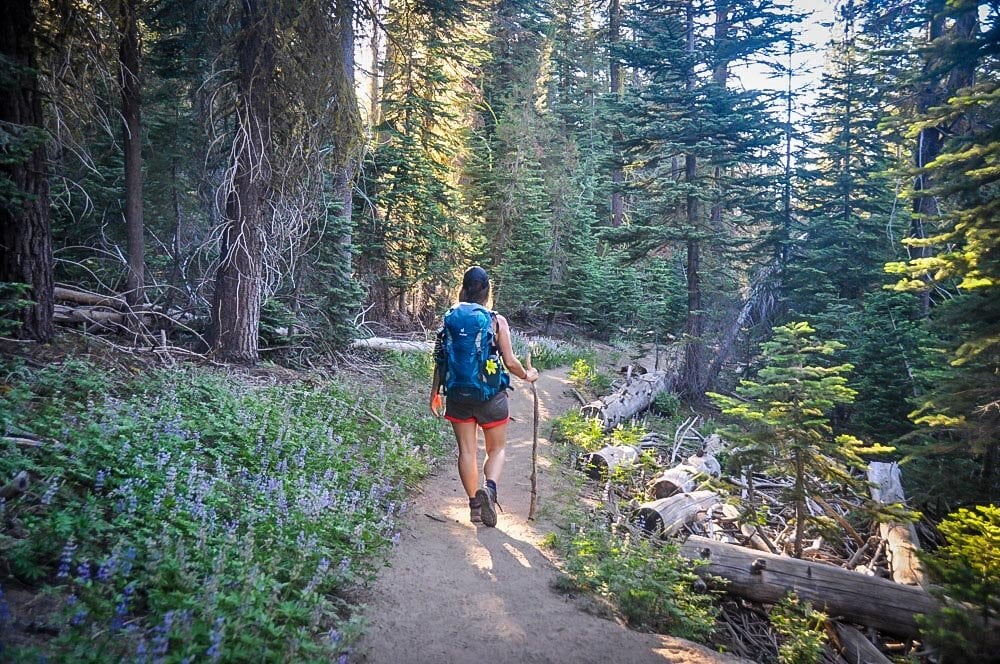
(194, 514)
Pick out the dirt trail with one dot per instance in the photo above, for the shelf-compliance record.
(458, 592)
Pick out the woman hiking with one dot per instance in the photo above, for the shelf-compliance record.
(473, 355)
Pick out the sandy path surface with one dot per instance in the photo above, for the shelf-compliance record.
(458, 592)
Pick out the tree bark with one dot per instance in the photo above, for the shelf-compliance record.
(598, 464)
(668, 515)
(694, 364)
(347, 165)
(617, 89)
(636, 396)
(767, 578)
(16, 486)
(901, 538)
(854, 647)
(755, 302)
(928, 145)
(397, 345)
(131, 92)
(239, 279)
(684, 477)
(25, 234)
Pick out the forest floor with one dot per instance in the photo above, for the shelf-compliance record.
(454, 591)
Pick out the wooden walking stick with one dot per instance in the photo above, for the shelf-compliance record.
(534, 449)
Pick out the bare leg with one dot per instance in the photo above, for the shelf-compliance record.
(496, 451)
(468, 453)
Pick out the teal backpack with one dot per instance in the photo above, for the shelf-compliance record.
(469, 362)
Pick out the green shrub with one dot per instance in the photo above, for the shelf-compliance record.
(649, 583)
(585, 376)
(575, 429)
(967, 567)
(666, 404)
(190, 515)
(550, 354)
(801, 631)
(13, 298)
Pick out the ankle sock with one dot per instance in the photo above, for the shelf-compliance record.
(493, 486)
(473, 502)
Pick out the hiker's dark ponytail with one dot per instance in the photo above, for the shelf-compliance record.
(475, 286)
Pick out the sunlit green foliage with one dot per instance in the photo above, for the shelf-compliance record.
(802, 631)
(186, 514)
(967, 567)
(649, 583)
(785, 417)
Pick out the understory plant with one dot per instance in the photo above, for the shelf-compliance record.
(194, 515)
(801, 630)
(967, 567)
(585, 376)
(648, 582)
(784, 418)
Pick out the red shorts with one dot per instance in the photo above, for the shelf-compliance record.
(487, 414)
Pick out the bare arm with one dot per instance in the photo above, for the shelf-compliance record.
(507, 352)
(435, 400)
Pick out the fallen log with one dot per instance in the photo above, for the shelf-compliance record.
(87, 314)
(63, 294)
(901, 538)
(636, 395)
(685, 477)
(853, 646)
(16, 486)
(668, 515)
(767, 578)
(598, 464)
(399, 345)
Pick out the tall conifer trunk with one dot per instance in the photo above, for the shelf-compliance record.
(720, 76)
(239, 280)
(617, 89)
(25, 235)
(131, 92)
(929, 143)
(345, 173)
(694, 365)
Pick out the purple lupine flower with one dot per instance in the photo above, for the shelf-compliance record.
(171, 479)
(5, 618)
(102, 475)
(122, 608)
(83, 571)
(107, 568)
(214, 651)
(161, 637)
(126, 565)
(50, 491)
(66, 559)
(321, 569)
(334, 636)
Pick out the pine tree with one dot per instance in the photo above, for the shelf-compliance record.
(847, 199)
(958, 249)
(25, 237)
(697, 147)
(412, 229)
(786, 414)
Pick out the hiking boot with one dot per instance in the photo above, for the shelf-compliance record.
(475, 509)
(487, 506)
